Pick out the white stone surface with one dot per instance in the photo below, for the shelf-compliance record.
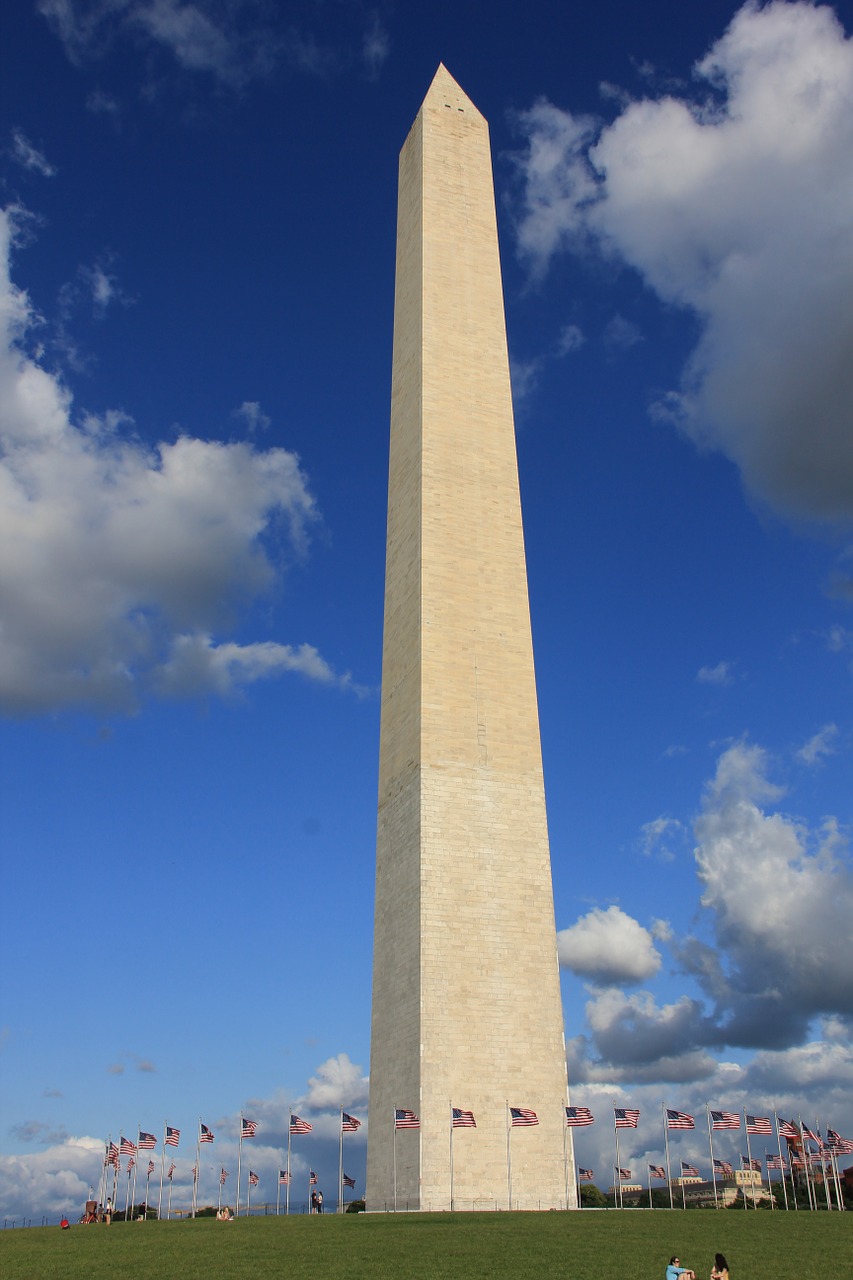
(466, 997)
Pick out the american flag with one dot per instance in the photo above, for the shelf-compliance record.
(284, 1177)
(463, 1119)
(624, 1174)
(578, 1116)
(774, 1162)
(150, 1167)
(657, 1171)
(788, 1130)
(130, 1164)
(299, 1126)
(625, 1118)
(758, 1124)
(173, 1137)
(807, 1133)
(312, 1178)
(147, 1141)
(723, 1167)
(404, 1119)
(205, 1134)
(585, 1175)
(725, 1119)
(195, 1173)
(248, 1128)
(841, 1146)
(253, 1179)
(112, 1155)
(797, 1162)
(171, 1171)
(348, 1181)
(747, 1163)
(522, 1116)
(679, 1120)
(689, 1170)
(127, 1148)
(349, 1124)
(223, 1174)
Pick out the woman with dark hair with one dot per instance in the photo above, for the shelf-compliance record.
(720, 1269)
(675, 1270)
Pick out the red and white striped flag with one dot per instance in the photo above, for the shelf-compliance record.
(725, 1119)
(577, 1116)
(299, 1126)
(463, 1119)
(522, 1116)
(758, 1124)
(679, 1120)
(349, 1124)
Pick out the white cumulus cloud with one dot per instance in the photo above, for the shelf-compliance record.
(608, 947)
(119, 559)
(736, 203)
(781, 901)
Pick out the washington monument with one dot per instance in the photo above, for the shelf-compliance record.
(466, 994)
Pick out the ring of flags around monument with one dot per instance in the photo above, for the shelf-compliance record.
(248, 1129)
(796, 1137)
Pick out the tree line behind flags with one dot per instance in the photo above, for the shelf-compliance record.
(248, 1130)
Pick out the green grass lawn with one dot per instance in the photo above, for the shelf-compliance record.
(581, 1246)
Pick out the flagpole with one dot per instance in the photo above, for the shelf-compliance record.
(115, 1177)
(102, 1185)
(781, 1158)
(806, 1162)
(508, 1158)
(197, 1168)
(249, 1197)
(162, 1168)
(341, 1166)
(287, 1185)
(135, 1169)
(711, 1146)
(239, 1161)
(839, 1198)
(649, 1167)
(619, 1182)
(666, 1144)
(127, 1189)
(451, 1157)
(221, 1171)
(822, 1155)
(395, 1159)
(169, 1205)
(566, 1157)
(278, 1194)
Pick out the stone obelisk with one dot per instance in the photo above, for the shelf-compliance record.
(466, 995)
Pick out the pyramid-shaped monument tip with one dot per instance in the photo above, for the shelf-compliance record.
(445, 92)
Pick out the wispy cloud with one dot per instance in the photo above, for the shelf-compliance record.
(27, 154)
(721, 674)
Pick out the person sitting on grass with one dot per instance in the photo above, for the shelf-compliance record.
(720, 1269)
(675, 1269)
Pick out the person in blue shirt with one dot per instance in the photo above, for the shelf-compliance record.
(675, 1269)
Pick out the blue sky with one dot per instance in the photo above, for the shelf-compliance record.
(198, 213)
